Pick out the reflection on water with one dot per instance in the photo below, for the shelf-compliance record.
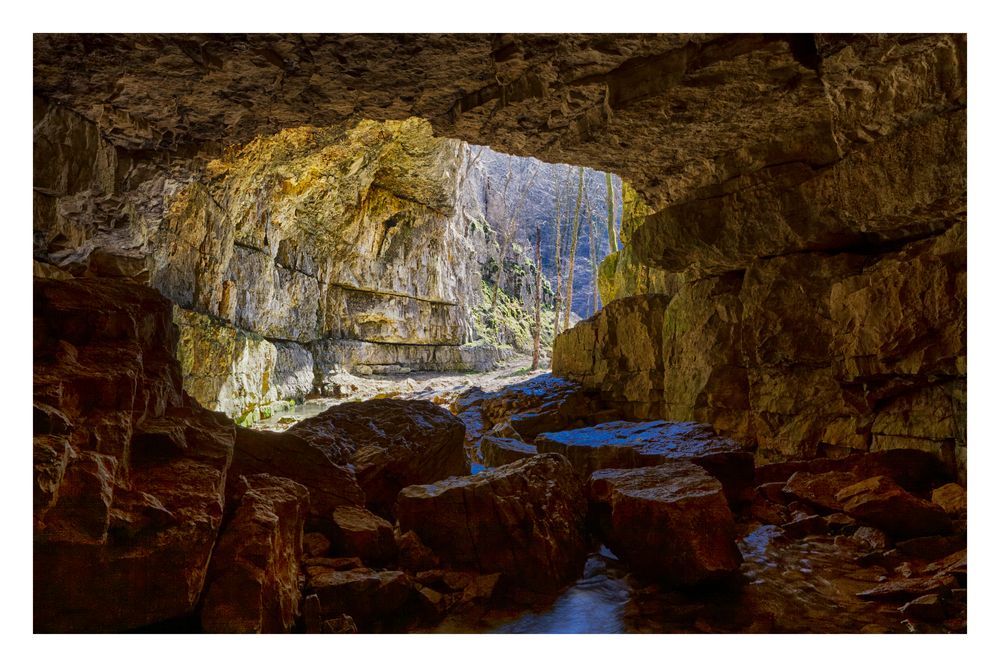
(595, 604)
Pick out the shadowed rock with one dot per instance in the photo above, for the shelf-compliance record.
(524, 520)
(669, 522)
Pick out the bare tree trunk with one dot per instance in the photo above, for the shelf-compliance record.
(593, 261)
(572, 250)
(612, 237)
(538, 298)
(558, 296)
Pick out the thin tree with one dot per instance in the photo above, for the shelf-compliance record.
(536, 353)
(572, 250)
(593, 259)
(612, 237)
(560, 193)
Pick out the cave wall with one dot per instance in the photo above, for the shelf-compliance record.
(812, 309)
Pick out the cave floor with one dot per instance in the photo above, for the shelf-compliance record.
(440, 387)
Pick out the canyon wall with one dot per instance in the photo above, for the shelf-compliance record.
(290, 259)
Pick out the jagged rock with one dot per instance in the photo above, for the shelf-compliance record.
(253, 579)
(880, 502)
(365, 595)
(915, 470)
(288, 455)
(635, 444)
(414, 556)
(119, 544)
(338, 626)
(669, 522)
(391, 444)
(501, 451)
(524, 520)
(951, 498)
(904, 589)
(929, 608)
(315, 544)
(318, 565)
(358, 532)
(872, 537)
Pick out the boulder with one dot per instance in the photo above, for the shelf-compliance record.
(253, 579)
(524, 520)
(670, 522)
(951, 498)
(365, 595)
(119, 543)
(820, 489)
(391, 443)
(358, 532)
(498, 451)
(288, 455)
(624, 444)
(880, 502)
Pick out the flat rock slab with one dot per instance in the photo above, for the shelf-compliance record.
(625, 444)
(524, 520)
(498, 451)
(364, 594)
(670, 522)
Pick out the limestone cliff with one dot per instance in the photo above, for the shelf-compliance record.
(286, 256)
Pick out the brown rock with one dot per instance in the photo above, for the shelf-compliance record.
(951, 498)
(414, 556)
(315, 544)
(358, 532)
(903, 589)
(501, 451)
(637, 444)
(872, 537)
(253, 579)
(338, 626)
(393, 444)
(365, 595)
(880, 502)
(524, 520)
(119, 543)
(669, 522)
(927, 608)
(319, 565)
(931, 547)
(288, 455)
(807, 525)
(820, 489)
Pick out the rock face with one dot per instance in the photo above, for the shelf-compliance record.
(669, 522)
(119, 543)
(253, 579)
(524, 520)
(814, 305)
(637, 444)
(391, 444)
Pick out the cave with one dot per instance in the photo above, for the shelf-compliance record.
(518, 333)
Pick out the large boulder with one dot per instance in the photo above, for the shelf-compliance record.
(253, 580)
(670, 522)
(624, 444)
(129, 476)
(391, 444)
(313, 465)
(524, 520)
(367, 596)
(358, 532)
(497, 451)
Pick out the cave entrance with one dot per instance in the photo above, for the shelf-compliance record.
(467, 226)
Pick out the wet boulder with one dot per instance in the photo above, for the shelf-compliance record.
(624, 444)
(253, 579)
(524, 520)
(392, 444)
(669, 522)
